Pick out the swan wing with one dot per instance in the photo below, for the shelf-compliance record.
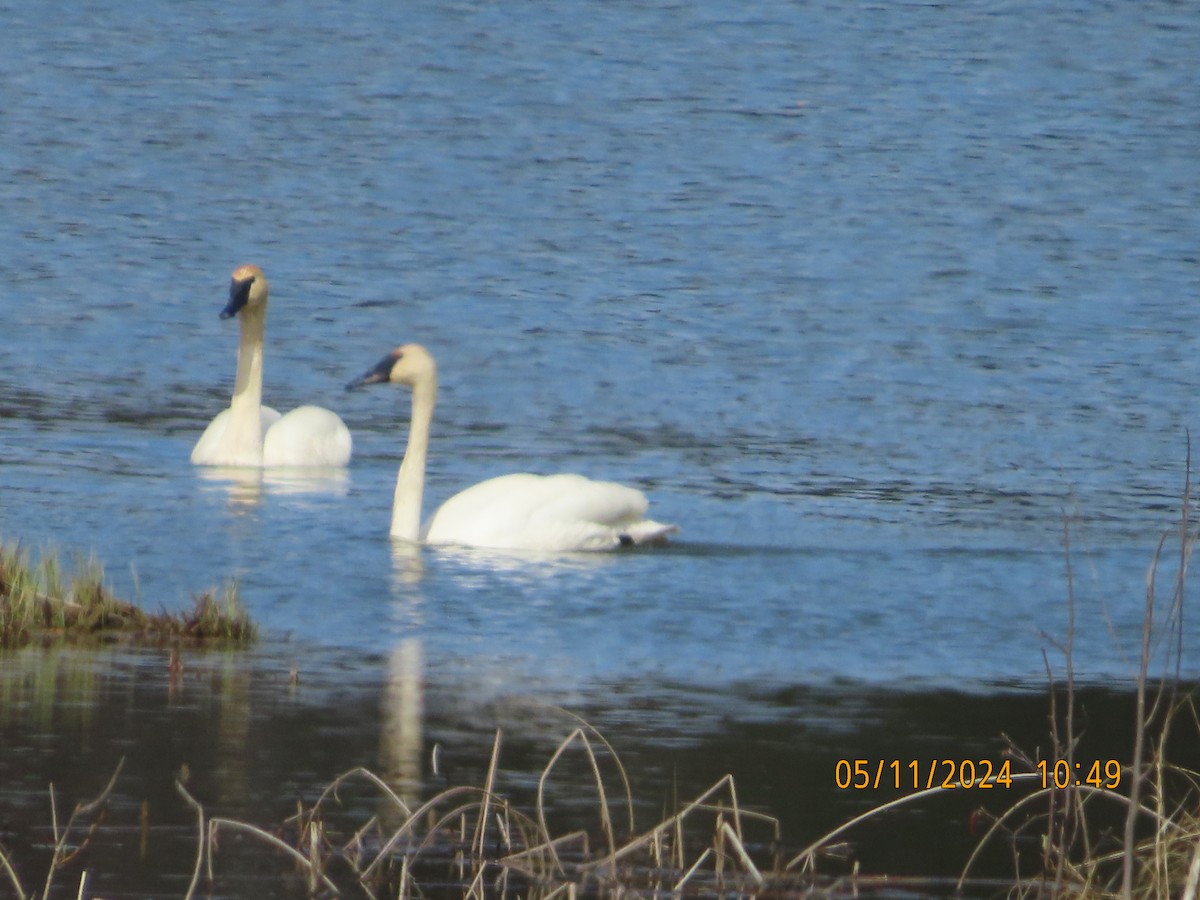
(307, 436)
(545, 512)
(208, 452)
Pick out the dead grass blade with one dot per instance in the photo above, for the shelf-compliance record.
(740, 850)
(216, 824)
(1193, 874)
(724, 782)
(191, 801)
(12, 875)
(583, 723)
(605, 819)
(58, 859)
(485, 801)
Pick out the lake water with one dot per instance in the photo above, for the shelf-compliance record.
(870, 299)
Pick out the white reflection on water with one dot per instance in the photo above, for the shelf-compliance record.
(520, 564)
(408, 567)
(247, 487)
(402, 709)
(474, 566)
(402, 706)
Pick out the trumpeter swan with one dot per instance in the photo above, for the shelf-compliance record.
(510, 512)
(250, 434)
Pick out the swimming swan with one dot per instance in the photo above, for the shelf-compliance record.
(511, 512)
(250, 434)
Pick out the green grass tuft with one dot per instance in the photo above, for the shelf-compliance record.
(41, 603)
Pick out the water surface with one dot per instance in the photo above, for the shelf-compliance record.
(874, 302)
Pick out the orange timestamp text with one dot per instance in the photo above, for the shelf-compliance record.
(914, 774)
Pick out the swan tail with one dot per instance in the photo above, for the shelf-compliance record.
(646, 531)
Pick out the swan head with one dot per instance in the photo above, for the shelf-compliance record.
(247, 291)
(408, 364)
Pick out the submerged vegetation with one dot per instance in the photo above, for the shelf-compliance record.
(41, 602)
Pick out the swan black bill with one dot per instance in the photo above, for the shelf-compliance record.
(239, 296)
(380, 373)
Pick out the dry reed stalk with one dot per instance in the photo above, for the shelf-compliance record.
(1141, 723)
(475, 889)
(356, 841)
(666, 825)
(808, 854)
(678, 840)
(1163, 695)
(361, 772)
(616, 759)
(1029, 800)
(435, 827)
(695, 867)
(1069, 845)
(514, 860)
(408, 828)
(404, 891)
(216, 824)
(57, 859)
(53, 814)
(743, 857)
(605, 820)
(489, 785)
(1193, 874)
(1068, 820)
(12, 875)
(191, 801)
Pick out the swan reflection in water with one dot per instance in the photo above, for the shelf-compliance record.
(405, 761)
(520, 565)
(246, 486)
(402, 712)
(402, 706)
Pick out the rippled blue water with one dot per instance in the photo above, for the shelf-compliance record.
(866, 297)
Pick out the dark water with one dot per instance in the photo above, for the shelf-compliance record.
(263, 731)
(872, 301)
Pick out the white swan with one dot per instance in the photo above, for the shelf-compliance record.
(250, 434)
(511, 512)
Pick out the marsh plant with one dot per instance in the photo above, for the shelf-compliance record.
(41, 602)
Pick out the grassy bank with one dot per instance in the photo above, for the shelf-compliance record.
(41, 601)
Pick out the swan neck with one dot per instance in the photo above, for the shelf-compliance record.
(247, 386)
(242, 442)
(410, 482)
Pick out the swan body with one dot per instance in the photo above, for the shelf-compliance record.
(522, 511)
(248, 434)
(544, 512)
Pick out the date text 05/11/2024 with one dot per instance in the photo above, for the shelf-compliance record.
(914, 774)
